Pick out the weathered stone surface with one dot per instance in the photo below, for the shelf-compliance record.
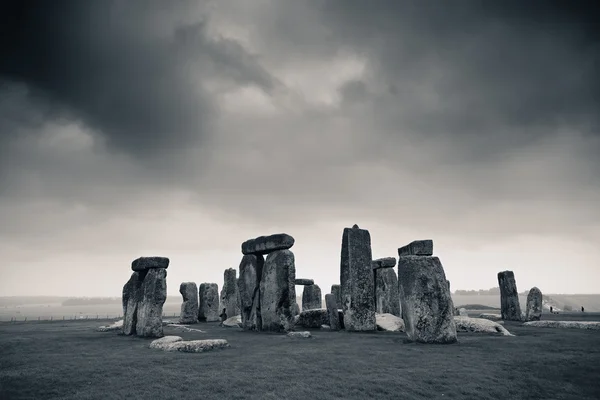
(311, 297)
(389, 322)
(278, 291)
(417, 248)
(131, 296)
(267, 244)
(332, 312)
(229, 300)
(304, 334)
(466, 324)
(190, 346)
(387, 262)
(144, 263)
(150, 306)
(387, 297)
(163, 341)
(295, 309)
(189, 306)
(357, 281)
(313, 318)
(304, 282)
(208, 307)
(251, 268)
(510, 309)
(233, 322)
(463, 312)
(115, 326)
(336, 291)
(491, 317)
(534, 305)
(427, 308)
(592, 325)
(448, 282)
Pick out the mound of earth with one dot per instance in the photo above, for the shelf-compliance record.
(389, 322)
(477, 307)
(113, 327)
(176, 343)
(594, 325)
(466, 324)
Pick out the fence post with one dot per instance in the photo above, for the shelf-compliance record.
(38, 318)
(51, 317)
(25, 319)
(63, 317)
(96, 317)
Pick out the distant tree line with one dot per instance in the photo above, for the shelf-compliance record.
(90, 301)
(480, 292)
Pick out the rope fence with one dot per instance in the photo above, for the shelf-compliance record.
(96, 317)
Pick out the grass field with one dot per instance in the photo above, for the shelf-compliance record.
(70, 360)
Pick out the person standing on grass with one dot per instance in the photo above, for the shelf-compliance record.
(550, 309)
(582, 309)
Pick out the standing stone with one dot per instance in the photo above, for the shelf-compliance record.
(427, 308)
(534, 305)
(509, 297)
(131, 296)
(251, 268)
(150, 306)
(336, 291)
(278, 291)
(332, 310)
(229, 296)
(417, 248)
(357, 282)
(311, 297)
(208, 307)
(387, 297)
(267, 244)
(189, 306)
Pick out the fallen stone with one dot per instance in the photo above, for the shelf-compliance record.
(251, 268)
(357, 280)
(325, 327)
(144, 263)
(313, 318)
(193, 346)
(153, 294)
(389, 322)
(267, 244)
(165, 340)
(592, 325)
(208, 307)
(463, 312)
(233, 322)
(278, 291)
(189, 306)
(466, 324)
(534, 305)
(131, 296)
(387, 262)
(491, 317)
(337, 293)
(427, 307)
(299, 334)
(184, 328)
(115, 326)
(417, 248)
(229, 300)
(304, 282)
(510, 308)
(332, 312)
(311, 297)
(387, 296)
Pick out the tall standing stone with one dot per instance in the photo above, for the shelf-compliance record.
(387, 297)
(534, 305)
(332, 311)
(208, 307)
(229, 296)
(427, 308)
(251, 268)
(336, 291)
(131, 296)
(357, 282)
(509, 296)
(189, 306)
(311, 297)
(150, 307)
(278, 291)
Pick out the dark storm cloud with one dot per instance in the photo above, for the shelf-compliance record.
(112, 65)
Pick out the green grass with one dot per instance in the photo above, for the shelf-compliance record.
(70, 360)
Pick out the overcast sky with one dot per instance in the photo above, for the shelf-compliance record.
(181, 129)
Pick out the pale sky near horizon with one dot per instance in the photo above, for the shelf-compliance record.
(183, 128)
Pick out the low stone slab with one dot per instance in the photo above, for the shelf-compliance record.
(165, 340)
(267, 244)
(386, 262)
(304, 334)
(233, 322)
(593, 325)
(313, 318)
(190, 346)
(466, 324)
(389, 322)
(332, 312)
(417, 248)
(144, 263)
(491, 317)
(304, 282)
(115, 326)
